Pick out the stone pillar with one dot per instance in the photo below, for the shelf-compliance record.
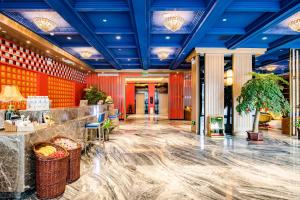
(242, 67)
(213, 85)
(195, 85)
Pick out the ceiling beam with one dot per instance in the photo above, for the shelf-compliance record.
(263, 23)
(215, 9)
(226, 31)
(112, 31)
(65, 10)
(23, 6)
(186, 5)
(140, 16)
(254, 6)
(98, 6)
(282, 42)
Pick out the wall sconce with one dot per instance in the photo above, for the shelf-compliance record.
(228, 78)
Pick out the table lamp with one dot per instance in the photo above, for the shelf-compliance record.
(10, 93)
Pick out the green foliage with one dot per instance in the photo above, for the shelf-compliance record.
(107, 124)
(263, 91)
(297, 125)
(93, 95)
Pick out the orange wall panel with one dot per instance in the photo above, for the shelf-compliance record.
(130, 96)
(176, 107)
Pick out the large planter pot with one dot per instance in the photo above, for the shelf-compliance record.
(106, 135)
(255, 136)
(298, 129)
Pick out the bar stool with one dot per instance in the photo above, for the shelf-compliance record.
(94, 126)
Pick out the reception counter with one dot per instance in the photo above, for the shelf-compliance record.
(17, 166)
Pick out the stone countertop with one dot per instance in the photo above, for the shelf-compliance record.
(16, 155)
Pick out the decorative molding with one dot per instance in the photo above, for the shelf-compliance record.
(252, 51)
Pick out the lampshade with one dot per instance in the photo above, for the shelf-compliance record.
(10, 93)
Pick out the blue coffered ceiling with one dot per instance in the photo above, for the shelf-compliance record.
(126, 34)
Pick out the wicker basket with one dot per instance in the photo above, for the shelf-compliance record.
(74, 162)
(10, 127)
(51, 173)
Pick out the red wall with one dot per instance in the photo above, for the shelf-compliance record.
(130, 96)
(33, 83)
(176, 107)
(151, 91)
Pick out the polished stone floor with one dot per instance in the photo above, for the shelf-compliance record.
(154, 158)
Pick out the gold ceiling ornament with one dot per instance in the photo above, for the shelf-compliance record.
(85, 54)
(44, 24)
(173, 22)
(295, 25)
(163, 54)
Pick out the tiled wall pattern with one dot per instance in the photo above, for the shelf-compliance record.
(25, 80)
(12, 54)
(61, 92)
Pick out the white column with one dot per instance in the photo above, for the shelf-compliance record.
(195, 84)
(242, 67)
(214, 85)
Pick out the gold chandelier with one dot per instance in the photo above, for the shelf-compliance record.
(44, 24)
(85, 54)
(163, 54)
(173, 22)
(295, 25)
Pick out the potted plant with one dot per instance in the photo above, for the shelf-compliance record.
(297, 125)
(107, 126)
(263, 91)
(93, 95)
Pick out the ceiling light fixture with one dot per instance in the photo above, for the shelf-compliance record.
(163, 54)
(118, 37)
(44, 24)
(28, 42)
(271, 68)
(104, 20)
(85, 54)
(3, 31)
(69, 38)
(47, 51)
(224, 20)
(52, 34)
(129, 59)
(168, 37)
(295, 25)
(173, 22)
(264, 38)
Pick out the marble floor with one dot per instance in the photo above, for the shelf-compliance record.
(154, 158)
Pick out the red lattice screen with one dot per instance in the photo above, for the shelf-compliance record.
(61, 92)
(25, 80)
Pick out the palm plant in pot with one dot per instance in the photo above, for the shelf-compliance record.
(262, 92)
(107, 126)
